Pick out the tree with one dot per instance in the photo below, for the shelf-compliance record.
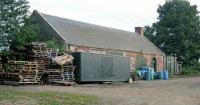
(177, 31)
(16, 26)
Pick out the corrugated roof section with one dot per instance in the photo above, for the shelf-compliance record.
(84, 34)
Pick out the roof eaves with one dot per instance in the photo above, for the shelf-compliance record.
(51, 25)
(156, 48)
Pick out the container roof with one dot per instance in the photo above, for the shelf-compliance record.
(89, 35)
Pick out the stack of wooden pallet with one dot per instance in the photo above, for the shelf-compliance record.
(54, 75)
(39, 53)
(2, 73)
(63, 59)
(1, 67)
(52, 53)
(67, 68)
(22, 72)
(61, 74)
(68, 72)
(41, 66)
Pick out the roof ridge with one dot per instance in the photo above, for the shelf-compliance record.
(87, 23)
(154, 46)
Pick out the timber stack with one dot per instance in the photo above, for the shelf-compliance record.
(64, 74)
(54, 75)
(68, 73)
(38, 52)
(43, 66)
(64, 59)
(22, 72)
(2, 73)
(1, 67)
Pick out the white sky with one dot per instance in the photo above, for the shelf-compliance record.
(121, 14)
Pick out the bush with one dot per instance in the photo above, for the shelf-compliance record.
(191, 70)
(197, 67)
(54, 45)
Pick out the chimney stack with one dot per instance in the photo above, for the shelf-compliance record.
(139, 30)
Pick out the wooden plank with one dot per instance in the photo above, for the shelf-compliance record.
(14, 83)
(64, 83)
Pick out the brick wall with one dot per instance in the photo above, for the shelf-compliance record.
(132, 55)
(148, 59)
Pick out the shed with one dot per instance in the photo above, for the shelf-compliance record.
(84, 37)
(101, 67)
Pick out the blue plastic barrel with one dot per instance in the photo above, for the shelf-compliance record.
(152, 73)
(145, 68)
(143, 72)
(155, 76)
(147, 75)
(165, 75)
(159, 75)
(139, 73)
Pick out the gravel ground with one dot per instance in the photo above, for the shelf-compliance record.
(183, 91)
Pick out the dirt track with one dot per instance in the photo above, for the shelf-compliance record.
(184, 91)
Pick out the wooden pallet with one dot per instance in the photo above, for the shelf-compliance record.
(68, 64)
(15, 83)
(16, 67)
(38, 45)
(40, 72)
(28, 80)
(68, 68)
(22, 72)
(54, 70)
(18, 62)
(31, 64)
(1, 70)
(42, 67)
(13, 74)
(1, 65)
(22, 67)
(179, 68)
(2, 76)
(39, 61)
(63, 83)
(16, 79)
(69, 77)
(55, 76)
(22, 79)
(48, 50)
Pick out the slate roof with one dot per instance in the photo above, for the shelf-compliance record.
(84, 34)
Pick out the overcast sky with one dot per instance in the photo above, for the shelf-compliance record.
(121, 14)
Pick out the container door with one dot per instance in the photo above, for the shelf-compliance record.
(169, 65)
(107, 68)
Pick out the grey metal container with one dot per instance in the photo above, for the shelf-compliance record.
(171, 65)
(101, 67)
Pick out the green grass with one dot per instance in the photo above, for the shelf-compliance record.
(45, 98)
(191, 71)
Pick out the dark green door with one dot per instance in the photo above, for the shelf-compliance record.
(107, 72)
(154, 64)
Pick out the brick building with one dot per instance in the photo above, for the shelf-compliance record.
(83, 37)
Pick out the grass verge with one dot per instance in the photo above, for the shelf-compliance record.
(14, 97)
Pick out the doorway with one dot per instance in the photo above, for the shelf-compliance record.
(154, 64)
